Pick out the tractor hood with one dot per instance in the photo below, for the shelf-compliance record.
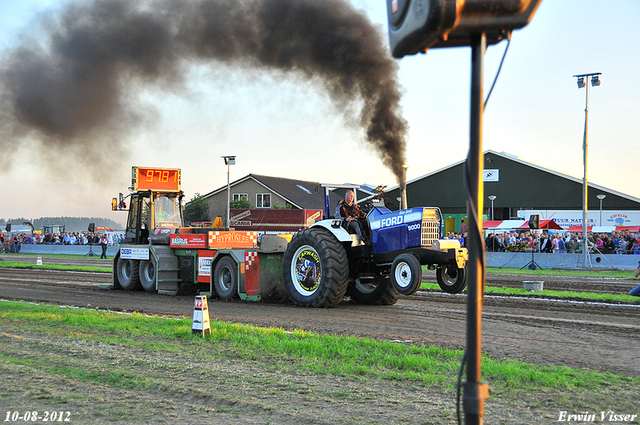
(396, 230)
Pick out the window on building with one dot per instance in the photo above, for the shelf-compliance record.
(263, 200)
(237, 196)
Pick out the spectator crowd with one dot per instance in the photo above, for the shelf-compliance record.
(13, 243)
(617, 242)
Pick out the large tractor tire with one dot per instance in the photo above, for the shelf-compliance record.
(406, 274)
(147, 274)
(225, 278)
(451, 279)
(373, 291)
(128, 274)
(315, 269)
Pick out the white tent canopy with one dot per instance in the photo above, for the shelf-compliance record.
(603, 229)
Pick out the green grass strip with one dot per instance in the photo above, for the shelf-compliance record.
(22, 265)
(548, 293)
(117, 378)
(44, 256)
(359, 358)
(563, 294)
(593, 273)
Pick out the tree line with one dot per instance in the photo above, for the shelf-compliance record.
(72, 224)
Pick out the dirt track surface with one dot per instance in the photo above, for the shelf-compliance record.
(578, 334)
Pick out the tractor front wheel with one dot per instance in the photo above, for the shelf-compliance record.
(406, 274)
(451, 279)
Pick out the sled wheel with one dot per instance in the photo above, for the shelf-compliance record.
(226, 278)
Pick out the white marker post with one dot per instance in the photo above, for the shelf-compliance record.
(201, 323)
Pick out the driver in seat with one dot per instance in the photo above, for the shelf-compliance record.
(350, 212)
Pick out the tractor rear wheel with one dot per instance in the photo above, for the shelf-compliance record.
(315, 269)
(226, 278)
(376, 290)
(148, 275)
(451, 279)
(128, 274)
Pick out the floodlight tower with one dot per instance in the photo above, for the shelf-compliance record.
(595, 81)
(492, 198)
(228, 161)
(601, 197)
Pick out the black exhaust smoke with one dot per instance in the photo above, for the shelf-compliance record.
(71, 90)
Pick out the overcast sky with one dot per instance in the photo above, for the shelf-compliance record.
(282, 125)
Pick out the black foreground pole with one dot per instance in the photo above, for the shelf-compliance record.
(475, 392)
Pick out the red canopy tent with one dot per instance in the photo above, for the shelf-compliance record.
(544, 224)
(578, 229)
(632, 229)
(491, 224)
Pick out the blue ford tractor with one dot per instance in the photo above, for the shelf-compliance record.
(325, 262)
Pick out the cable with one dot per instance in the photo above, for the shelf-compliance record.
(471, 201)
(476, 244)
(499, 68)
(458, 386)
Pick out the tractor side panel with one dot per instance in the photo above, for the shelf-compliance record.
(271, 283)
(395, 230)
(262, 274)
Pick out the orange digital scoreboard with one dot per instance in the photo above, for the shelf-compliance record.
(157, 179)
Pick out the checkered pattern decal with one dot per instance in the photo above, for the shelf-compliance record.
(252, 272)
(249, 259)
